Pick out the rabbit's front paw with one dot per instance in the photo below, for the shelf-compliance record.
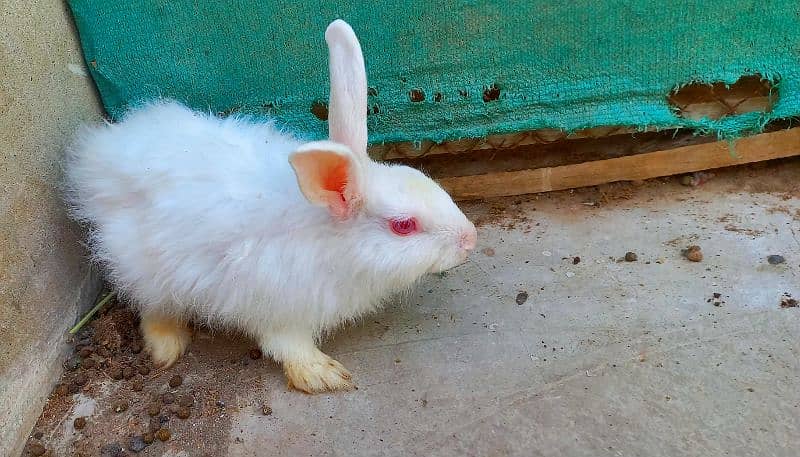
(317, 374)
(165, 338)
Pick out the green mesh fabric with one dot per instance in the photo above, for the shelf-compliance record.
(482, 66)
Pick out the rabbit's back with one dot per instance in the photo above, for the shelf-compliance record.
(169, 193)
(164, 152)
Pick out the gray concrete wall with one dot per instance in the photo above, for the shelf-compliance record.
(44, 280)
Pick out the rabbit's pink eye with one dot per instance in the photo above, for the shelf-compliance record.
(403, 227)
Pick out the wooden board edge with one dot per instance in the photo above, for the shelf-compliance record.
(685, 159)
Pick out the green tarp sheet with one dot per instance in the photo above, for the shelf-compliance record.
(446, 69)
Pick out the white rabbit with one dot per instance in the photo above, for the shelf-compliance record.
(232, 222)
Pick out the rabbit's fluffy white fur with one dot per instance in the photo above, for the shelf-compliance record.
(230, 221)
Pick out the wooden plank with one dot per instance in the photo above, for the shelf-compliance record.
(686, 159)
(557, 154)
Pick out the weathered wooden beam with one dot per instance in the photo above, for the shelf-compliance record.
(685, 159)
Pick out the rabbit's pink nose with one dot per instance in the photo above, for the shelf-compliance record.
(468, 239)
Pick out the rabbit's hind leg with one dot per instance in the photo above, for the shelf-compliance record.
(165, 337)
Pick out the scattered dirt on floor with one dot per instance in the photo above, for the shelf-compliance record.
(510, 213)
(788, 302)
(506, 216)
(780, 179)
(775, 259)
(784, 210)
(682, 240)
(119, 403)
(716, 299)
(693, 253)
(696, 179)
(745, 231)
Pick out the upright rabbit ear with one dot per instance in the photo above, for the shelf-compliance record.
(329, 175)
(347, 110)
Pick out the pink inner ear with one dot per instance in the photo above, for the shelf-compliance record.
(325, 179)
(337, 176)
(335, 182)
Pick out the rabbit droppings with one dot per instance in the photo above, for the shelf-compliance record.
(232, 222)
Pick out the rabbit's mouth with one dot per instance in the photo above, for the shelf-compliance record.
(449, 263)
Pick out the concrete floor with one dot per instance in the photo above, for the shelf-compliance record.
(603, 358)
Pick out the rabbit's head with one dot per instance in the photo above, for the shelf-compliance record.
(391, 217)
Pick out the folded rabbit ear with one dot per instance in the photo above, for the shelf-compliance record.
(347, 109)
(329, 175)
